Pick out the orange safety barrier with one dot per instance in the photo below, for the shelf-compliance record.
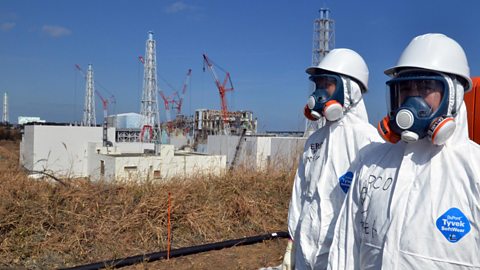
(472, 101)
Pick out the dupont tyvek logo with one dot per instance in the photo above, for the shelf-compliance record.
(453, 225)
(345, 181)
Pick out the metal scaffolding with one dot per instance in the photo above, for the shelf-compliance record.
(89, 108)
(150, 129)
(323, 36)
(323, 43)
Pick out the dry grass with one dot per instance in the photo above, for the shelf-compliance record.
(44, 225)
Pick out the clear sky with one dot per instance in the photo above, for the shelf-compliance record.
(265, 45)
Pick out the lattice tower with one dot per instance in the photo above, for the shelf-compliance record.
(149, 107)
(89, 107)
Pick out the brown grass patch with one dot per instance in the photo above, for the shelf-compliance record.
(45, 225)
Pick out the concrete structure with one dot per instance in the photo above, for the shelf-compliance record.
(285, 151)
(77, 151)
(210, 122)
(58, 149)
(140, 167)
(257, 152)
(180, 140)
(125, 120)
(22, 120)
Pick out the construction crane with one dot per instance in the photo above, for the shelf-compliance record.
(168, 102)
(178, 104)
(105, 103)
(172, 100)
(105, 126)
(111, 98)
(222, 90)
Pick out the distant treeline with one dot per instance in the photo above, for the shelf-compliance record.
(9, 132)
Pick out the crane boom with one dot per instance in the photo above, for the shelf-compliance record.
(184, 90)
(167, 101)
(222, 89)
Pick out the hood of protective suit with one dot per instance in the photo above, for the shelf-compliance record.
(318, 193)
(412, 206)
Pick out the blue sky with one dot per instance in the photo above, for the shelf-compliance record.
(265, 45)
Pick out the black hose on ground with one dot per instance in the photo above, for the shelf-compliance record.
(117, 263)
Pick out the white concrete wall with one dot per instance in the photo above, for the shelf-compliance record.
(134, 147)
(26, 148)
(72, 151)
(253, 153)
(60, 149)
(168, 165)
(197, 164)
(258, 152)
(95, 159)
(222, 145)
(286, 150)
(263, 152)
(178, 140)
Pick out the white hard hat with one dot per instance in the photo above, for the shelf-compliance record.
(435, 52)
(345, 62)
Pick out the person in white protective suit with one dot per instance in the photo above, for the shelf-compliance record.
(319, 187)
(415, 202)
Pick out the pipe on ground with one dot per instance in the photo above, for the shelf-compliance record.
(117, 263)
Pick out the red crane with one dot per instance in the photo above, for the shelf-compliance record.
(222, 89)
(167, 101)
(184, 90)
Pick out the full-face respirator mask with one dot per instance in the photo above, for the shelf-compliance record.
(328, 98)
(419, 106)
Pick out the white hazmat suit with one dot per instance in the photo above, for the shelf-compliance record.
(414, 205)
(319, 188)
(429, 213)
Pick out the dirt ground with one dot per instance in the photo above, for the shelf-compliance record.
(265, 254)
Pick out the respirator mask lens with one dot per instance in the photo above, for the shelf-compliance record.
(430, 89)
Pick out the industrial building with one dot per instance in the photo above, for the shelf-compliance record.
(138, 147)
(166, 165)
(78, 151)
(211, 122)
(58, 149)
(22, 120)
